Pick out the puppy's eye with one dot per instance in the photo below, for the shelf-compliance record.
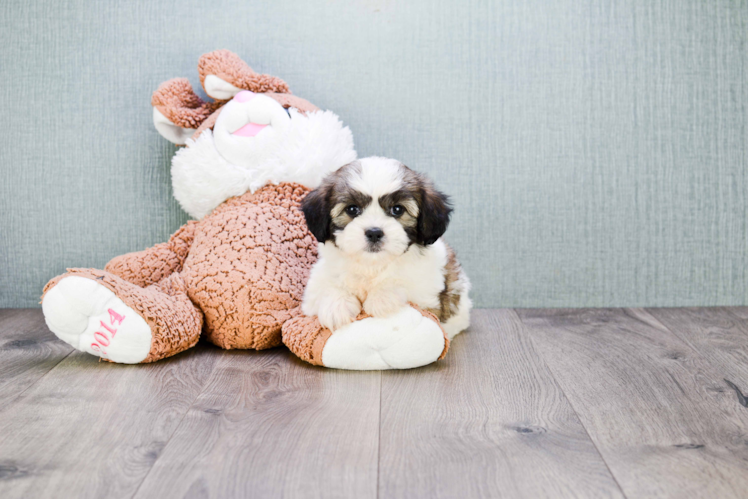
(397, 210)
(352, 210)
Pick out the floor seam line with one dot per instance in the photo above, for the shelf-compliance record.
(176, 428)
(37, 381)
(729, 311)
(379, 436)
(571, 404)
(672, 332)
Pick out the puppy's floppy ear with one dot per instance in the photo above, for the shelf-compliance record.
(316, 208)
(434, 214)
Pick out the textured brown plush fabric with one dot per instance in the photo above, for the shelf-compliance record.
(285, 100)
(248, 266)
(238, 275)
(241, 269)
(292, 101)
(229, 67)
(306, 337)
(176, 100)
(156, 263)
(207, 124)
(175, 322)
(240, 272)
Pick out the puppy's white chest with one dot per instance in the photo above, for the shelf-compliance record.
(361, 283)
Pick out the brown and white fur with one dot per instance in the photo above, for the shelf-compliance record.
(379, 226)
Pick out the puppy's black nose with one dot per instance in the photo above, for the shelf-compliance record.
(374, 234)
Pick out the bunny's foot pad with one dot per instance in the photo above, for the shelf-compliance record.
(408, 339)
(91, 318)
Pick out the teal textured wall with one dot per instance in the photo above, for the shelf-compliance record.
(595, 150)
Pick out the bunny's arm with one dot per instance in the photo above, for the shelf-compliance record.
(156, 263)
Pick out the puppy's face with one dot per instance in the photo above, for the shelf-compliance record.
(376, 207)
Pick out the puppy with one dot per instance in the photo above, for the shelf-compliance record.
(379, 225)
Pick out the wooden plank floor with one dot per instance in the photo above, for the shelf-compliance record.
(528, 403)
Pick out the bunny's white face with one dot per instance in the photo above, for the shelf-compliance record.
(250, 128)
(255, 141)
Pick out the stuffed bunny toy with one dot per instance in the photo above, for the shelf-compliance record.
(236, 273)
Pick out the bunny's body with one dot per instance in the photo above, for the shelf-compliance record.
(237, 273)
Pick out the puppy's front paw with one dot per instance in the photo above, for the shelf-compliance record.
(339, 311)
(384, 303)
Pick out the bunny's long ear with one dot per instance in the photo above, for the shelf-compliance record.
(178, 111)
(223, 74)
(218, 89)
(170, 131)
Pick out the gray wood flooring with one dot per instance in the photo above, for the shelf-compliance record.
(528, 403)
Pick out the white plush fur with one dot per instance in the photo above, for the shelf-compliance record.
(313, 145)
(336, 281)
(251, 151)
(168, 130)
(302, 149)
(77, 310)
(219, 89)
(347, 277)
(406, 339)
